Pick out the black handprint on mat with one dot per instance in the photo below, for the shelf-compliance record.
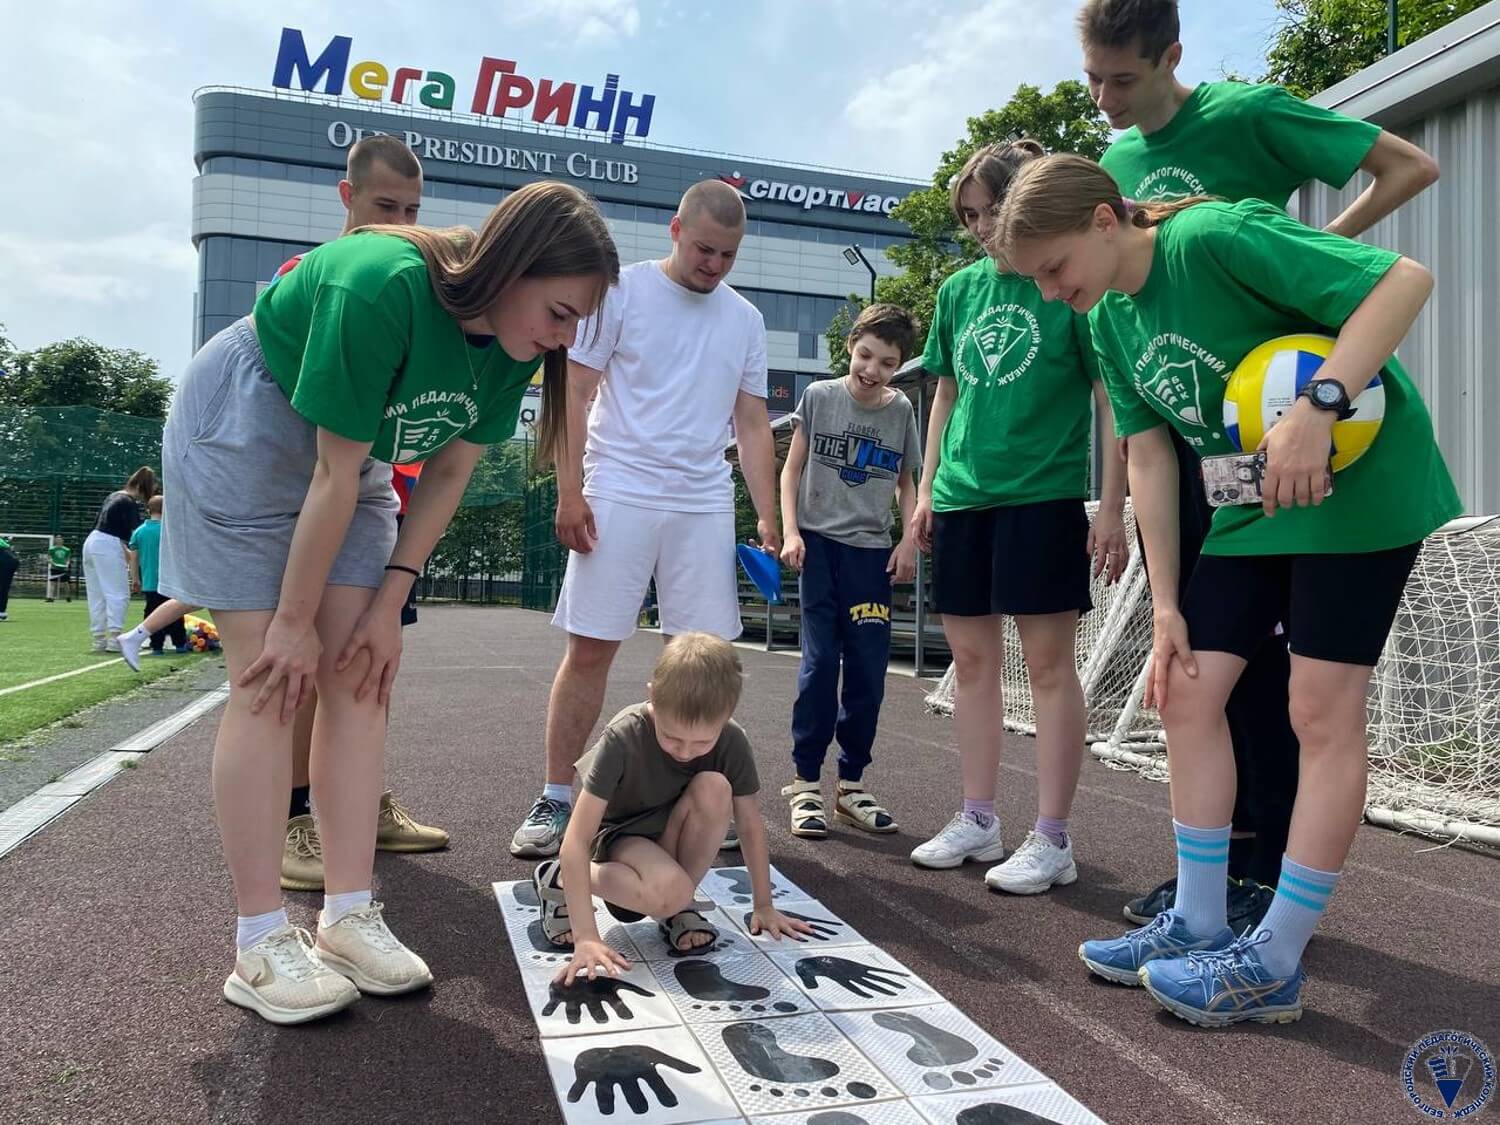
(703, 980)
(930, 1046)
(822, 928)
(997, 1113)
(627, 1068)
(754, 1047)
(593, 995)
(850, 975)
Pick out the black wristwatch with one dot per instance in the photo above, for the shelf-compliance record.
(1328, 394)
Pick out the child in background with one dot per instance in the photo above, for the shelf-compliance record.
(855, 447)
(145, 546)
(657, 792)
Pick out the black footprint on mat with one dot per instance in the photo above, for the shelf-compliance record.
(930, 1046)
(525, 894)
(739, 884)
(997, 1113)
(702, 980)
(837, 1117)
(754, 1047)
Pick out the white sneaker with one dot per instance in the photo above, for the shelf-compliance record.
(130, 647)
(961, 840)
(1037, 865)
(361, 947)
(113, 643)
(281, 979)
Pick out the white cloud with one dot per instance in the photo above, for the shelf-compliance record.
(588, 21)
(103, 270)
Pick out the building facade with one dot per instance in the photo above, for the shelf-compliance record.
(269, 163)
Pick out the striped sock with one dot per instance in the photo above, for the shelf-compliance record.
(1053, 828)
(1301, 897)
(1202, 875)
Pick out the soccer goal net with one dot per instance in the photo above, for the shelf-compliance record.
(1434, 727)
(31, 553)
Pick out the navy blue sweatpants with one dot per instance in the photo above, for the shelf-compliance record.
(846, 621)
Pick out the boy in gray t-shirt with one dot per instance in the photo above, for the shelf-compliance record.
(855, 448)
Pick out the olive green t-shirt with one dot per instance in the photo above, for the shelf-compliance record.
(357, 340)
(1019, 430)
(634, 776)
(1240, 141)
(1226, 278)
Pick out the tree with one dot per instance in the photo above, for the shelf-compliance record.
(1066, 120)
(1319, 43)
(79, 372)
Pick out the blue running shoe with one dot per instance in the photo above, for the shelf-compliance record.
(1120, 959)
(1219, 988)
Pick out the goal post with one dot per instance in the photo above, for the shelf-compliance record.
(31, 553)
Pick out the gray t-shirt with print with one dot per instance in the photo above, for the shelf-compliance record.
(855, 455)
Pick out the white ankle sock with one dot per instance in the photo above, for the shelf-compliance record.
(248, 931)
(336, 907)
(563, 793)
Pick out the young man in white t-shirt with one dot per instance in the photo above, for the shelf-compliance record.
(675, 357)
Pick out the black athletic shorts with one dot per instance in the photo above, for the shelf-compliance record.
(1020, 559)
(1337, 608)
(409, 607)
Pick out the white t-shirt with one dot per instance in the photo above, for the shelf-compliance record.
(674, 361)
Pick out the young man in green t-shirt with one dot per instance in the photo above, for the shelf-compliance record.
(1234, 141)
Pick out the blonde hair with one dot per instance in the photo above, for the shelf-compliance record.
(717, 200)
(1059, 194)
(545, 229)
(153, 505)
(993, 167)
(697, 679)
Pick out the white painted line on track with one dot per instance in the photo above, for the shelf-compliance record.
(62, 675)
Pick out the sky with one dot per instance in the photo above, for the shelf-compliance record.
(95, 199)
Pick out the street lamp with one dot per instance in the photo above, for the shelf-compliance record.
(854, 256)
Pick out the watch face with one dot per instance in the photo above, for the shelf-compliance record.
(1326, 393)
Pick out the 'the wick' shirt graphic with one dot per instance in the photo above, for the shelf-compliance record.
(428, 422)
(998, 346)
(857, 455)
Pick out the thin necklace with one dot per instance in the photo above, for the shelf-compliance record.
(463, 341)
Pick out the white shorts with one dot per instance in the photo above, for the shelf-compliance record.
(690, 554)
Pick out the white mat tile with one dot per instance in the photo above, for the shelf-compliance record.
(853, 977)
(1021, 1105)
(934, 1049)
(726, 989)
(523, 925)
(828, 928)
(661, 1076)
(730, 887)
(630, 1001)
(873, 1113)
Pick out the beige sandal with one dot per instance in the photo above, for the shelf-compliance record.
(856, 807)
(809, 819)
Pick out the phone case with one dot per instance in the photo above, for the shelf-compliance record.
(1236, 478)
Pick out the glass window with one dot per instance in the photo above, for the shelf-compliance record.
(807, 345)
(241, 259)
(215, 256)
(216, 298)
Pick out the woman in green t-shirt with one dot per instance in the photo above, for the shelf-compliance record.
(1001, 507)
(395, 344)
(1179, 293)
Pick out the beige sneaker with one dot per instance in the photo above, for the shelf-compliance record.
(398, 832)
(281, 979)
(361, 946)
(302, 857)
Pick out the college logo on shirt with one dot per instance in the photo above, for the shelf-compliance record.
(1169, 183)
(998, 346)
(857, 455)
(1172, 373)
(428, 422)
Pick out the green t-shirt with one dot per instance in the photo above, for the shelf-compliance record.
(60, 556)
(1239, 141)
(1019, 430)
(145, 541)
(356, 338)
(1226, 278)
(4, 543)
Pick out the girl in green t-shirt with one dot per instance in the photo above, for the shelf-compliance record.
(394, 344)
(1001, 507)
(1180, 293)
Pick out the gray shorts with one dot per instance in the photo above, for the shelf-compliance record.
(236, 464)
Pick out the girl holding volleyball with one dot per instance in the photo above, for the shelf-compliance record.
(1177, 294)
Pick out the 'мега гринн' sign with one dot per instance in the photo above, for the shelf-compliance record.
(497, 90)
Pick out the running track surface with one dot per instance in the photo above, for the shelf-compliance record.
(116, 923)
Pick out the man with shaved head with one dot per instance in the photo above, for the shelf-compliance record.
(676, 358)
